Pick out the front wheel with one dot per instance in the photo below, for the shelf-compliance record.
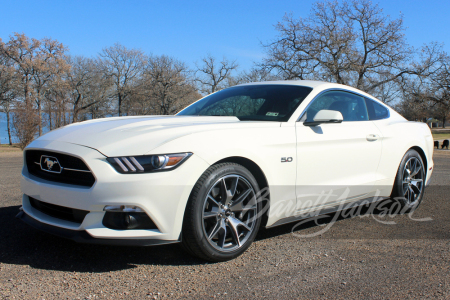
(409, 183)
(222, 214)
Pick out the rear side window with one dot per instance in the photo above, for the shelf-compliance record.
(376, 111)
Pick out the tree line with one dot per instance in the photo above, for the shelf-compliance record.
(350, 42)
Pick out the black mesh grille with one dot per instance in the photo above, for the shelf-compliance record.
(33, 159)
(59, 212)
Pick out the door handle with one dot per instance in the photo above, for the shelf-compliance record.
(372, 137)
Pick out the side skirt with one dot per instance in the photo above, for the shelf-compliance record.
(327, 210)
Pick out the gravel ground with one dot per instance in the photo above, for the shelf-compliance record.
(357, 257)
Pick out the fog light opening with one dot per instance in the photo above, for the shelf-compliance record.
(124, 217)
(123, 208)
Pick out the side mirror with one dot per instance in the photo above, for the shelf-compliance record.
(326, 116)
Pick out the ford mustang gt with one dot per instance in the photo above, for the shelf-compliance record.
(250, 156)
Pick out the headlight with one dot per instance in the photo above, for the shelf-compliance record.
(147, 163)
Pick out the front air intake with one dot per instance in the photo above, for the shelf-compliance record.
(57, 167)
(59, 212)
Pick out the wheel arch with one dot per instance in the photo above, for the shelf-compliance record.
(422, 155)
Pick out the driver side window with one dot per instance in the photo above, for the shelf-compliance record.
(234, 106)
(351, 106)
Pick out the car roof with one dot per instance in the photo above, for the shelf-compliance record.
(308, 83)
(320, 86)
(314, 84)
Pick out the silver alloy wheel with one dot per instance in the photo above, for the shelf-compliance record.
(412, 180)
(229, 213)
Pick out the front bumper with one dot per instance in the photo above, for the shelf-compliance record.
(84, 238)
(163, 197)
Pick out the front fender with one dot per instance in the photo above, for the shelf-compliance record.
(264, 146)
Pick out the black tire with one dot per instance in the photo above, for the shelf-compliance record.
(197, 221)
(409, 202)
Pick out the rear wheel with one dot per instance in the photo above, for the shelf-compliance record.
(222, 214)
(410, 182)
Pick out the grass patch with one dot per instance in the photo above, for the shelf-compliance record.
(441, 136)
(10, 148)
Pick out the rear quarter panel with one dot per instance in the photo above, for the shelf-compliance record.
(398, 136)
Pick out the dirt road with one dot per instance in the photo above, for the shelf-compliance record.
(358, 257)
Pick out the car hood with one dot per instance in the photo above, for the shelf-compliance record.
(139, 135)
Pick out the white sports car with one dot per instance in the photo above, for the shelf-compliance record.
(260, 154)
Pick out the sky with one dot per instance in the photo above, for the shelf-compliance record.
(188, 30)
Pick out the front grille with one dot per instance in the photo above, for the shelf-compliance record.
(73, 170)
(59, 212)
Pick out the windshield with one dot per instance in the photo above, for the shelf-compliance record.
(251, 102)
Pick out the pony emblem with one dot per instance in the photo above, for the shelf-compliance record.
(50, 164)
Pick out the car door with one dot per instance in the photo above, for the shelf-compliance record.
(336, 162)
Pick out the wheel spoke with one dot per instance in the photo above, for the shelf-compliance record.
(220, 225)
(406, 174)
(228, 193)
(415, 189)
(408, 171)
(408, 194)
(416, 170)
(411, 195)
(223, 191)
(405, 185)
(214, 231)
(234, 183)
(222, 235)
(215, 191)
(234, 233)
(234, 222)
(209, 214)
(405, 191)
(238, 204)
(413, 166)
(210, 198)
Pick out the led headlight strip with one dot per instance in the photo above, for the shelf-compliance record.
(147, 163)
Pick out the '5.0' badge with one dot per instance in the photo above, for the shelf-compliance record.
(286, 159)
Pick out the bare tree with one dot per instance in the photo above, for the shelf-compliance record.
(413, 104)
(389, 91)
(441, 89)
(256, 74)
(433, 91)
(6, 90)
(212, 75)
(36, 63)
(21, 51)
(25, 124)
(124, 67)
(87, 85)
(166, 86)
(49, 66)
(349, 42)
